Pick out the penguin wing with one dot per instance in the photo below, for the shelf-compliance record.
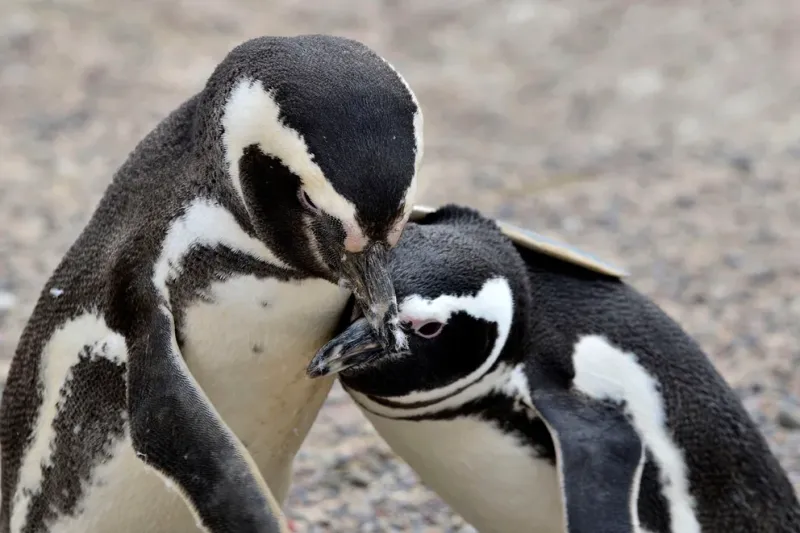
(599, 457)
(545, 245)
(177, 432)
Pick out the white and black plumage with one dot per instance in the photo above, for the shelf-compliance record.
(160, 381)
(530, 381)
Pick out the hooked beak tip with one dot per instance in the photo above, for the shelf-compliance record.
(320, 365)
(367, 275)
(317, 371)
(354, 346)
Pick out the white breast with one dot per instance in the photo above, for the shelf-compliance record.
(262, 394)
(248, 349)
(249, 342)
(247, 345)
(485, 475)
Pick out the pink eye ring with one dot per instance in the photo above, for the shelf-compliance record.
(428, 329)
(306, 201)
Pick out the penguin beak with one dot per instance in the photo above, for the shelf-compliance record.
(366, 273)
(357, 345)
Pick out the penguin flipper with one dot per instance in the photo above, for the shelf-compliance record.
(600, 458)
(177, 432)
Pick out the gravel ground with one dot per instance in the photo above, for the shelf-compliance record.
(660, 135)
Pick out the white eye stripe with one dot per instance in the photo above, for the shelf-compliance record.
(252, 116)
(493, 303)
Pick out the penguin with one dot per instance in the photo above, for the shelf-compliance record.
(539, 392)
(159, 384)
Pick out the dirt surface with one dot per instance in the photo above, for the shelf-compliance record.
(661, 135)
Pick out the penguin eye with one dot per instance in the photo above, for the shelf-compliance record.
(307, 203)
(428, 330)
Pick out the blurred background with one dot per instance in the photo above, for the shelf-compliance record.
(663, 136)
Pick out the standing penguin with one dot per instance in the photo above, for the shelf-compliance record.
(160, 383)
(539, 393)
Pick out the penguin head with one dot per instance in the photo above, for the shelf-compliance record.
(321, 141)
(461, 288)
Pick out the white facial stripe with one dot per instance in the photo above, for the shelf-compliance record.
(204, 223)
(251, 116)
(418, 137)
(419, 152)
(397, 230)
(604, 372)
(418, 120)
(494, 303)
(59, 356)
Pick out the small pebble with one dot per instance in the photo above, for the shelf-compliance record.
(742, 163)
(789, 415)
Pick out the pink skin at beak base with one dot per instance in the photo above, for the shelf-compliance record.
(355, 241)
